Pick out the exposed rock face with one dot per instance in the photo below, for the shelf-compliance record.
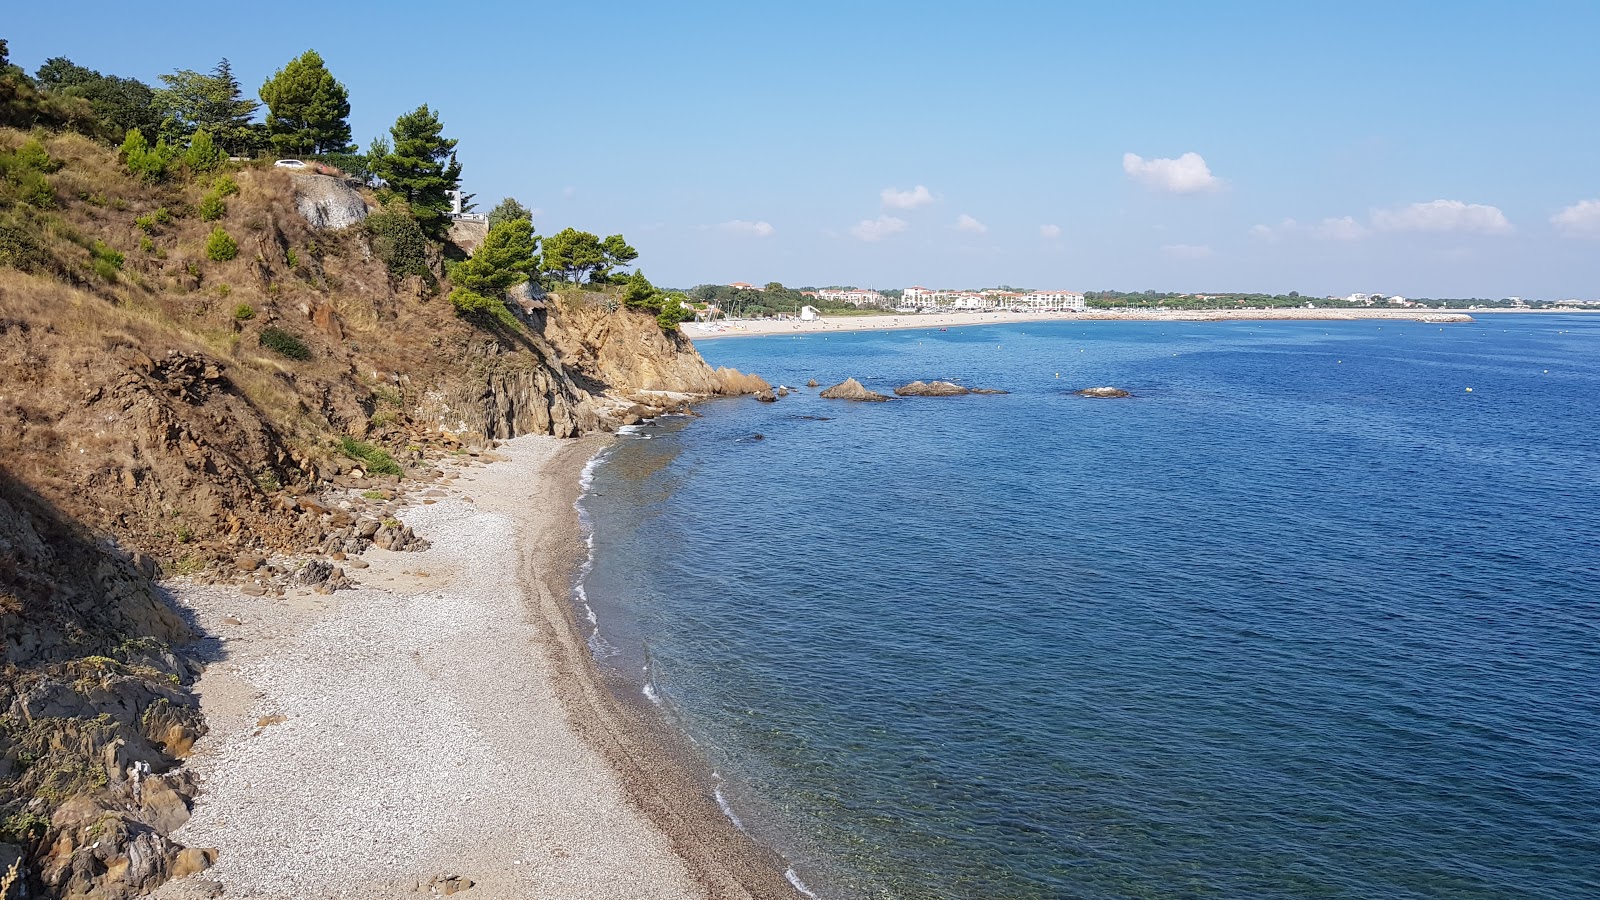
(935, 389)
(328, 202)
(499, 394)
(1103, 393)
(851, 389)
(96, 708)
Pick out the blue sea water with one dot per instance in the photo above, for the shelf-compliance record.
(1305, 617)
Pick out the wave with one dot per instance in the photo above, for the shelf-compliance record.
(794, 880)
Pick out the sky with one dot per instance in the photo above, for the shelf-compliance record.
(1425, 149)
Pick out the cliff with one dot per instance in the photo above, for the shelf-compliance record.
(165, 409)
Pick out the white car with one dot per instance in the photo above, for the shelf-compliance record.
(290, 164)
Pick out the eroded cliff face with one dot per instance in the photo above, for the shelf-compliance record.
(623, 351)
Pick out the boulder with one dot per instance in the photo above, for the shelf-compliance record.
(936, 389)
(851, 389)
(1103, 393)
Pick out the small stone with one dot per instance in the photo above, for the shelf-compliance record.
(234, 620)
(356, 562)
(253, 590)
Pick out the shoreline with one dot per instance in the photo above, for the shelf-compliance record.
(443, 720)
(909, 321)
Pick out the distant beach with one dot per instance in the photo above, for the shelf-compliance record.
(890, 321)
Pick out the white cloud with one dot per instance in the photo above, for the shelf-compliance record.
(1442, 215)
(740, 226)
(879, 228)
(1274, 233)
(965, 222)
(1184, 175)
(1050, 231)
(1343, 228)
(1581, 219)
(1186, 251)
(917, 196)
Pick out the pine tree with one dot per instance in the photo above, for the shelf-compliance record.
(422, 168)
(507, 257)
(307, 110)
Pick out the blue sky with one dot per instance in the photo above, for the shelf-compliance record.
(1427, 149)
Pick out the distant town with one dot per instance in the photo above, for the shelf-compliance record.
(746, 299)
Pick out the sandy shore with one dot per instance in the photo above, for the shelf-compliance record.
(446, 720)
(825, 325)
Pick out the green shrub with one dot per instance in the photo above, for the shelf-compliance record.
(24, 169)
(376, 460)
(144, 161)
(220, 247)
(244, 312)
(284, 344)
(145, 244)
(398, 240)
(203, 154)
(225, 186)
(148, 222)
(19, 247)
(291, 258)
(212, 207)
(106, 261)
(224, 289)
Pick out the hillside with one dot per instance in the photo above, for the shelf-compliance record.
(166, 409)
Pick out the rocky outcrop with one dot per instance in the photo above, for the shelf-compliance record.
(851, 389)
(732, 382)
(499, 393)
(1103, 393)
(933, 389)
(328, 202)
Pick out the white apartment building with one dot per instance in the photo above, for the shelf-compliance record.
(992, 298)
(853, 296)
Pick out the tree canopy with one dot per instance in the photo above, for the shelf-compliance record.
(193, 100)
(307, 110)
(119, 103)
(574, 255)
(508, 208)
(421, 167)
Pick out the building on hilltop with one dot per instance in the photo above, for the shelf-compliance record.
(745, 286)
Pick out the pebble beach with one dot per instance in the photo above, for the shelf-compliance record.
(441, 727)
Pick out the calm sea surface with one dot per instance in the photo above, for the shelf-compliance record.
(1304, 618)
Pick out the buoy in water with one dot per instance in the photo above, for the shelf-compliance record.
(1469, 390)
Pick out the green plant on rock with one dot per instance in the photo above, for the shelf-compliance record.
(220, 246)
(376, 459)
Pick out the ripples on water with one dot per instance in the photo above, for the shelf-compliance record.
(1305, 618)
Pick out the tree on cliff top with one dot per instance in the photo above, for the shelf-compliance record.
(422, 168)
(307, 110)
(508, 257)
(573, 254)
(119, 103)
(193, 100)
(508, 208)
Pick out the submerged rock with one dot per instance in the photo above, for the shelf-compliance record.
(851, 389)
(1103, 393)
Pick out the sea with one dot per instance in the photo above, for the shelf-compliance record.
(1314, 613)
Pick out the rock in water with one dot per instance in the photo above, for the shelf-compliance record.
(936, 389)
(1103, 393)
(811, 383)
(851, 389)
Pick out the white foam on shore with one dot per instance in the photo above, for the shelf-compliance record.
(794, 880)
(722, 803)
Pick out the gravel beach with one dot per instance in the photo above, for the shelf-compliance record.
(444, 724)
